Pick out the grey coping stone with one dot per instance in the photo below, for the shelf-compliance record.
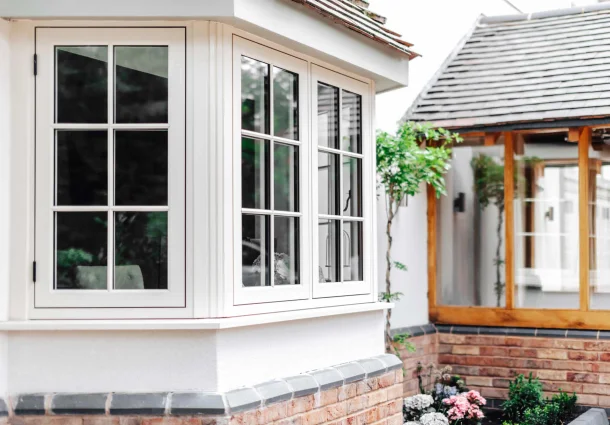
(466, 330)
(555, 333)
(138, 404)
(373, 367)
(79, 404)
(327, 378)
(604, 335)
(243, 399)
(429, 329)
(3, 408)
(30, 404)
(274, 391)
(491, 330)
(446, 329)
(302, 385)
(351, 372)
(390, 361)
(197, 404)
(592, 417)
(521, 331)
(579, 333)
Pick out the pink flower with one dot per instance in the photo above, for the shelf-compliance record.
(475, 397)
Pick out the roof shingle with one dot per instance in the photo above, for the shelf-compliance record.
(545, 66)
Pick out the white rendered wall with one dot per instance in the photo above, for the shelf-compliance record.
(5, 115)
(409, 244)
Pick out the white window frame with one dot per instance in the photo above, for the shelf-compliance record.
(266, 294)
(345, 288)
(45, 297)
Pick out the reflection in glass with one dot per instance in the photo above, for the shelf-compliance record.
(351, 118)
(140, 254)
(329, 252)
(286, 177)
(471, 236)
(82, 168)
(328, 181)
(255, 173)
(255, 259)
(285, 104)
(352, 190)
(81, 250)
(328, 116)
(141, 84)
(599, 222)
(352, 251)
(286, 251)
(546, 223)
(141, 167)
(255, 114)
(82, 84)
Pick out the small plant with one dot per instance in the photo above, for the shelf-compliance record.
(416, 406)
(566, 403)
(523, 394)
(434, 419)
(465, 408)
(439, 383)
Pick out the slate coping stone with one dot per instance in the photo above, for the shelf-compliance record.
(429, 329)
(243, 399)
(138, 404)
(492, 330)
(30, 404)
(390, 361)
(79, 404)
(302, 385)
(580, 333)
(327, 378)
(197, 404)
(521, 331)
(274, 391)
(351, 372)
(373, 367)
(553, 333)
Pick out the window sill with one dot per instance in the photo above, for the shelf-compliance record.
(185, 324)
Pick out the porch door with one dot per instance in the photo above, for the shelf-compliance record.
(110, 167)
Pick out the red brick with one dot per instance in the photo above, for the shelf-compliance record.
(597, 345)
(552, 354)
(466, 349)
(596, 389)
(387, 380)
(523, 352)
(395, 420)
(175, 421)
(582, 355)
(356, 404)
(588, 399)
(376, 398)
(395, 391)
(300, 405)
(552, 375)
(494, 351)
(452, 339)
(327, 397)
(102, 420)
(314, 417)
(604, 357)
(482, 381)
(45, 420)
(583, 377)
(335, 411)
(494, 393)
(371, 415)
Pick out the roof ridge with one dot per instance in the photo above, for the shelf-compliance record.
(435, 77)
(556, 13)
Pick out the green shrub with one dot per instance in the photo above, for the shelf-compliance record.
(566, 404)
(523, 394)
(559, 410)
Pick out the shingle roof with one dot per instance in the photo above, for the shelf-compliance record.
(354, 14)
(523, 68)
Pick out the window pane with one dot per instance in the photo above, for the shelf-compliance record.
(328, 116)
(471, 233)
(599, 242)
(328, 182)
(351, 132)
(286, 251)
(285, 104)
(352, 187)
(141, 84)
(141, 167)
(254, 95)
(286, 177)
(352, 251)
(255, 259)
(81, 250)
(82, 168)
(255, 173)
(140, 254)
(546, 223)
(82, 84)
(328, 251)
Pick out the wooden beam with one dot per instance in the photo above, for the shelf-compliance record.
(432, 248)
(509, 194)
(584, 141)
(574, 134)
(491, 139)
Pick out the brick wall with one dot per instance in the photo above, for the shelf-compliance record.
(489, 362)
(425, 340)
(376, 401)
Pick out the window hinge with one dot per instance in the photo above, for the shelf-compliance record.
(35, 64)
(34, 271)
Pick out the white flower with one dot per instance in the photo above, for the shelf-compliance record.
(434, 419)
(411, 423)
(419, 402)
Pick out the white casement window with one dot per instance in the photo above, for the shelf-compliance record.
(271, 189)
(343, 161)
(110, 167)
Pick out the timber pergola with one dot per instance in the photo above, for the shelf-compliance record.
(510, 81)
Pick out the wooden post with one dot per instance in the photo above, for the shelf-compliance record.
(509, 195)
(432, 251)
(584, 141)
(491, 139)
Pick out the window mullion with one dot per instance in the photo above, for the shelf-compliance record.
(509, 194)
(111, 161)
(340, 188)
(271, 181)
